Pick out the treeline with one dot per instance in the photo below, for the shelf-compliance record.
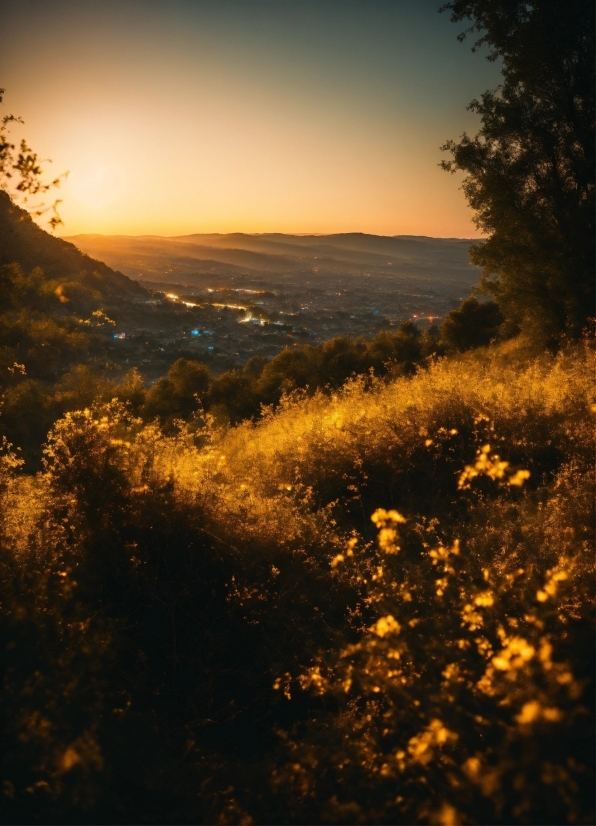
(52, 360)
(240, 394)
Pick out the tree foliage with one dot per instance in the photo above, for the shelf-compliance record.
(21, 173)
(529, 172)
(472, 324)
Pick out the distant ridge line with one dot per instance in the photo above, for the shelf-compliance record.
(272, 235)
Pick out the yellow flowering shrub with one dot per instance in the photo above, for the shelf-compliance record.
(372, 606)
(470, 694)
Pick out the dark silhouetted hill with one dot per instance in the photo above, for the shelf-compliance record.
(24, 243)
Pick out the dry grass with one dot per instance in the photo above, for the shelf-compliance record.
(194, 598)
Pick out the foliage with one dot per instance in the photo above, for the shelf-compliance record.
(25, 167)
(200, 628)
(472, 324)
(52, 336)
(177, 395)
(530, 169)
(468, 698)
(310, 368)
(48, 348)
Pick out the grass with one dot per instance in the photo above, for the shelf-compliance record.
(216, 631)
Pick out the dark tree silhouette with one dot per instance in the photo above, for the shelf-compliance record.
(473, 324)
(530, 169)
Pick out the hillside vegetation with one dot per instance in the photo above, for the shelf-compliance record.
(373, 605)
(23, 242)
(351, 584)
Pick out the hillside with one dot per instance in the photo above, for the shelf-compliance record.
(350, 583)
(373, 607)
(24, 243)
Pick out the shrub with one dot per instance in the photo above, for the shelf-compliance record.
(200, 628)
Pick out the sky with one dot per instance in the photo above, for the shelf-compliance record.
(299, 116)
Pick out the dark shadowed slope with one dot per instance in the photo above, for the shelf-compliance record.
(24, 243)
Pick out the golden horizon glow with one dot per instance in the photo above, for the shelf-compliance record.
(200, 122)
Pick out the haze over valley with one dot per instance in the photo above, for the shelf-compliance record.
(223, 298)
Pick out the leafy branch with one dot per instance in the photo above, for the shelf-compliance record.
(21, 173)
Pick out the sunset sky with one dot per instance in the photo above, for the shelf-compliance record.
(245, 115)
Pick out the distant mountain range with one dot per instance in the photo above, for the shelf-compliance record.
(117, 261)
(169, 259)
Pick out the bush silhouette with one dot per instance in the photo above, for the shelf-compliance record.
(473, 324)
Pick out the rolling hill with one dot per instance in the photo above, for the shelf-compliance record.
(441, 261)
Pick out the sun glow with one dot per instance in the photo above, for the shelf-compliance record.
(98, 186)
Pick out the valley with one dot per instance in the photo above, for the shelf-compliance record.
(225, 298)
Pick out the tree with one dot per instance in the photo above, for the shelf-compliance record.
(232, 397)
(339, 358)
(530, 169)
(473, 324)
(404, 347)
(177, 395)
(21, 174)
